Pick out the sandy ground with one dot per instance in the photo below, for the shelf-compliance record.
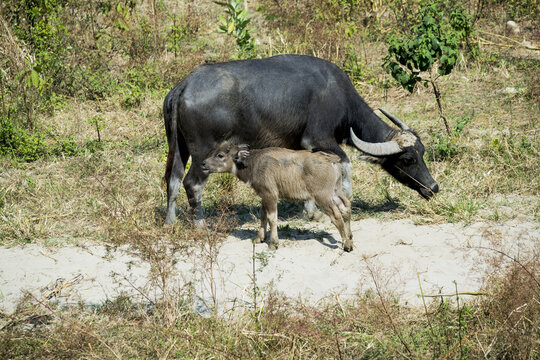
(310, 266)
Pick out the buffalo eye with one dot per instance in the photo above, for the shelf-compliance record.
(408, 160)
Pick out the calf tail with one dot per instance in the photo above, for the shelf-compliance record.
(327, 154)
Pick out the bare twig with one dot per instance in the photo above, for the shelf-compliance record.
(386, 312)
(138, 290)
(254, 278)
(459, 323)
(166, 355)
(514, 260)
(260, 334)
(524, 46)
(437, 93)
(455, 294)
(427, 316)
(506, 38)
(76, 325)
(336, 337)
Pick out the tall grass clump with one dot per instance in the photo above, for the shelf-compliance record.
(500, 323)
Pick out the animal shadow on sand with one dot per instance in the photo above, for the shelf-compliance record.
(290, 233)
(361, 207)
(288, 211)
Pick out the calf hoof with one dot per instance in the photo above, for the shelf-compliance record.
(347, 247)
(314, 215)
(273, 246)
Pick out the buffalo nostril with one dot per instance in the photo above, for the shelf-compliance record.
(435, 188)
(203, 163)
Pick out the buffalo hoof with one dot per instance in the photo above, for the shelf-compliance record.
(169, 220)
(273, 246)
(200, 223)
(347, 247)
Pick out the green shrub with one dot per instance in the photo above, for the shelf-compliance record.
(20, 143)
(446, 146)
(236, 24)
(27, 146)
(431, 43)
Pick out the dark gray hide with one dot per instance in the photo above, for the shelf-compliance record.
(290, 101)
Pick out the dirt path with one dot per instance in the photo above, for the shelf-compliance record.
(392, 254)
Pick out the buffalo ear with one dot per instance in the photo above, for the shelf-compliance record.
(371, 159)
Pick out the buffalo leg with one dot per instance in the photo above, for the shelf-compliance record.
(174, 173)
(194, 183)
(346, 175)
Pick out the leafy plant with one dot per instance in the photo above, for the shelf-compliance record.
(176, 34)
(354, 66)
(431, 44)
(446, 146)
(97, 122)
(236, 24)
(19, 142)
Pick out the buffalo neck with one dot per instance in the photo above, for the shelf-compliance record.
(368, 126)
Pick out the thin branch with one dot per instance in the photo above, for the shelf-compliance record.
(514, 260)
(429, 322)
(520, 45)
(455, 294)
(386, 312)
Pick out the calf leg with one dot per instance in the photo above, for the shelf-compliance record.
(270, 206)
(261, 237)
(344, 206)
(310, 211)
(330, 208)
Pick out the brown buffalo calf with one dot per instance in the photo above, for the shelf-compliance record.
(278, 173)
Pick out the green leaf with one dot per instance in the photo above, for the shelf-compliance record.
(34, 76)
(231, 27)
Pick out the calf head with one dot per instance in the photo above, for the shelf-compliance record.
(225, 158)
(403, 157)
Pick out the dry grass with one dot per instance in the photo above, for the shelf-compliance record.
(113, 193)
(503, 324)
(496, 165)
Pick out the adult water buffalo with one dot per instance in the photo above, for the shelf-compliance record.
(290, 101)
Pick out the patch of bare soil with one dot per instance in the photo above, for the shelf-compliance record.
(391, 256)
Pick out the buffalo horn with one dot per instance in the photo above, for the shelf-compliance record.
(396, 121)
(376, 149)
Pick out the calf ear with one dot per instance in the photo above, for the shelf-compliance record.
(371, 159)
(241, 155)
